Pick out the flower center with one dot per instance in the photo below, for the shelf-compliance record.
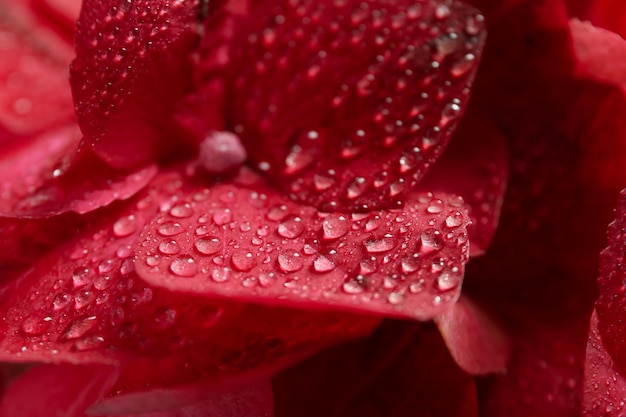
(221, 152)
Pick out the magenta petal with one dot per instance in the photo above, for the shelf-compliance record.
(57, 390)
(407, 262)
(403, 370)
(253, 400)
(132, 66)
(605, 387)
(345, 105)
(477, 344)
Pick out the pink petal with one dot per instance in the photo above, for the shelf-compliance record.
(476, 342)
(474, 166)
(253, 400)
(84, 303)
(403, 370)
(605, 386)
(345, 105)
(407, 262)
(132, 66)
(607, 14)
(43, 178)
(63, 13)
(59, 390)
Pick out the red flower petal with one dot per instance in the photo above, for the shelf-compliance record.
(406, 262)
(132, 66)
(605, 386)
(33, 184)
(347, 104)
(62, 12)
(403, 370)
(84, 303)
(59, 390)
(255, 400)
(607, 14)
(475, 166)
(476, 343)
(611, 304)
(34, 94)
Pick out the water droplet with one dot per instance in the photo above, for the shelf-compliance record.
(435, 206)
(448, 281)
(323, 264)
(368, 266)
(220, 274)
(222, 216)
(89, 343)
(290, 261)
(323, 182)
(416, 287)
(384, 244)
(82, 277)
(297, 160)
(170, 229)
(395, 298)
(431, 241)
(182, 211)
(277, 213)
(83, 299)
(267, 279)
(454, 219)
(169, 247)
(335, 226)
(153, 260)
(79, 327)
(61, 301)
(124, 251)
(410, 264)
(356, 187)
(291, 227)
(208, 246)
(164, 317)
(125, 226)
(36, 324)
(352, 287)
(243, 260)
(184, 266)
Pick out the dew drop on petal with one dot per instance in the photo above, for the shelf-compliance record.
(291, 227)
(335, 226)
(383, 244)
(125, 226)
(208, 246)
(290, 261)
(184, 266)
(170, 229)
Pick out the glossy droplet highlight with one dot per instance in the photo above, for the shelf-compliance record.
(184, 266)
(170, 229)
(335, 226)
(291, 227)
(243, 260)
(208, 246)
(290, 261)
(383, 244)
(125, 226)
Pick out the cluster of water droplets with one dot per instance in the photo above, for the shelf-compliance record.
(268, 249)
(350, 81)
(92, 299)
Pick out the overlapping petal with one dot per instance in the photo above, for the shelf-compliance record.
(347, 104)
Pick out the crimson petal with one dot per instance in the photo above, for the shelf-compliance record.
(407, 262)
(84, 303)
(62, 390)
(132, 66)
(403, 370)
(34, 94)
(475, 166)
(610, 305)
(605, 386)
(345, 105)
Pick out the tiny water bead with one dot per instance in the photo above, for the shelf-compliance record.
(184, 266)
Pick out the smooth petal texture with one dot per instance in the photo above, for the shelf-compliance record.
(477, 344)
(47, 178)
(407, 262)
(605, 386)
(611, 304)
(404, 369)
(474, 166)
(345, 105)
(33, 76)
(254, 400)
(132, 66)
(59, 390)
